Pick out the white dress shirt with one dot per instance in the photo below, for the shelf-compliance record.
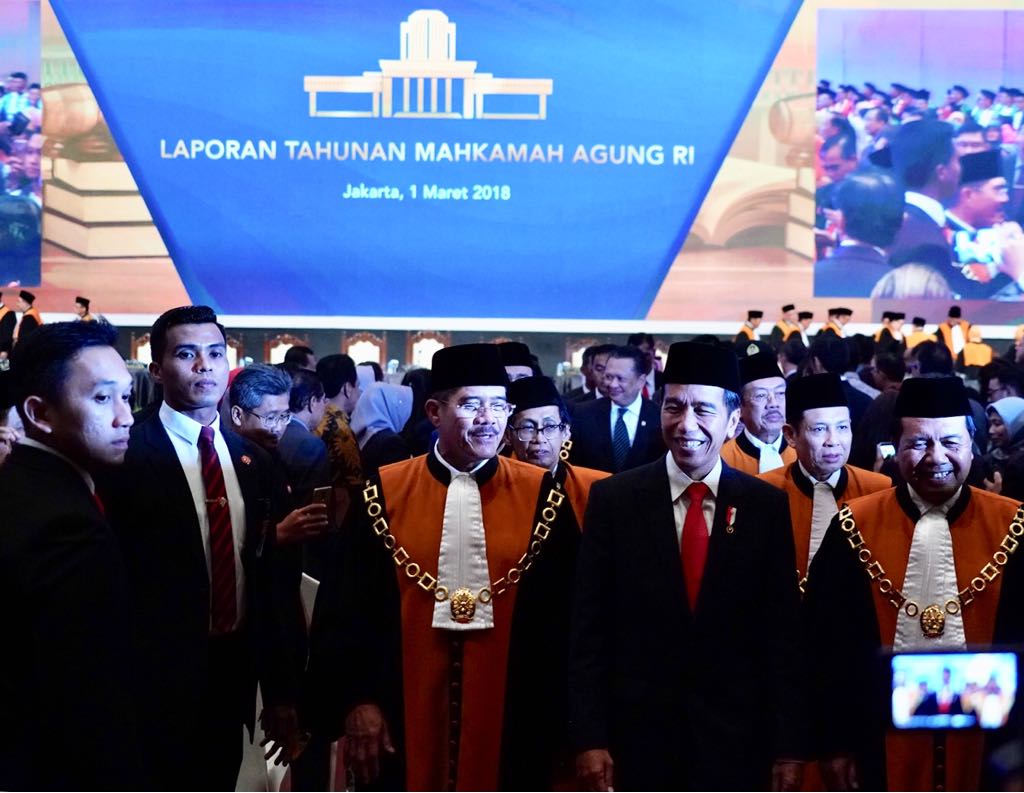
(678, 481)
(631, 417)
(184, 434)
(823, 508)
(928, 205)
(957, 336)
(930, 579)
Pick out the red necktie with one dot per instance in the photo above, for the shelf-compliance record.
(99, 504)
(694, 545)
(646, 392)
(223, 608)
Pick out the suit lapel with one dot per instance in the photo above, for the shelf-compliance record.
(170, 478)
(659, 521)
(723, 536)
(604, 431)
(646, 425)
(257, 502)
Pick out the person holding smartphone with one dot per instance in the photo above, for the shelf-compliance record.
(932, 564)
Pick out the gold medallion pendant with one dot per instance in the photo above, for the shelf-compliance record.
(463, 605)
(933, 621)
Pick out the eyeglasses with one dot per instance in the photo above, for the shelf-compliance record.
(760, 396)
(271, 420)
(527, 432)
(470, 408)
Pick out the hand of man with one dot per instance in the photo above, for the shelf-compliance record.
(594, 770)
(8, 437)
(367, 736)
(995, 485)
(302, 524)
(839, 773)
(787, 775)
(281, 726)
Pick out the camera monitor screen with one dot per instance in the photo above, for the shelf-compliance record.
(952, 691)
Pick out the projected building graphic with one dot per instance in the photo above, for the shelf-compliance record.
(428, 80)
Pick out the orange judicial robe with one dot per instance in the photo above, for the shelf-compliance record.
(853, 483)
(746, 333)
(742, 455)
(577, 486)
(977, 532)
(945, 332)
(35, 320)
(976, 353)
(436, 733)
(832, 327)
(916, 337)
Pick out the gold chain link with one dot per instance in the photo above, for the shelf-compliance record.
(429, 583)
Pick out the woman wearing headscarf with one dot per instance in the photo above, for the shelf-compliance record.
(1006, 444)
(380, 414)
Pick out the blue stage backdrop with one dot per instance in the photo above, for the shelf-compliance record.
(482, 159)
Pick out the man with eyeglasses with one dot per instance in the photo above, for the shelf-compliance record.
(415, 645)
(194, 509)
(619, 432)
(685, 658)
(760, 446)
(539, 433)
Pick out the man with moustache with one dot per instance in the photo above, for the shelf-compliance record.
(818, 428)
(932, 564)
(413, 640)
(194, 510)
(761, 446)
(65, 670)
(539, 433)
(686, 574)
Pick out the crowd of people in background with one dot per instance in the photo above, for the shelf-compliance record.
(917, 199)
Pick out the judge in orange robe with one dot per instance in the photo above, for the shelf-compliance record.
(539, 433)
(930, 565)
(760, 446)
(818, 429)
(412, 640)
(748, 330)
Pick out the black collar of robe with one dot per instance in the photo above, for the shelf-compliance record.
(444, 476)
(806, 486)
(907, 504)
(753, 451)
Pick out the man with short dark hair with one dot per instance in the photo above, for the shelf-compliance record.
(193, 507)
(881, 132)
(686, 572)
(584, 390)
(619, 432)
(760, 446)
(341, 387)
(871, 204)
(929, 565)
(926, 163)
(304, 454)
(838, 158)
(301, 357)
(652, 375)
(65, 672)
(969, 138)
(830, 354)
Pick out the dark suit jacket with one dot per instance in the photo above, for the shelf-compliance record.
(65, 669)
(151, 508)
(7, 326)
(851, 271)
(304, 457)
(592, 436)
(684, 700)
(920, 240)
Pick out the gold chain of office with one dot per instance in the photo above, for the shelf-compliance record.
(463, 600)
(933, 616)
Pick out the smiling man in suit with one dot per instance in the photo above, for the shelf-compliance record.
(619, 432)
(193, 509)
(685, 576)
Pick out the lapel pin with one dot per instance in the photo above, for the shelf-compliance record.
(730, 520)
(246, 459)
(643, 423)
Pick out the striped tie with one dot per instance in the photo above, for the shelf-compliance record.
(620, 440)
(222, 545)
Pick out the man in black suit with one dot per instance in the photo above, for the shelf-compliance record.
(193, 506)
(65, 669)
(619, 432)
(8, 322)
(685, 658)
(592, 369)
(652, 375)
(304, 455)
(831, 354)
(872, 213)
(926, 163)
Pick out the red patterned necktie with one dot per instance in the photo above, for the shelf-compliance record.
(694, 545)
(223, 608)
